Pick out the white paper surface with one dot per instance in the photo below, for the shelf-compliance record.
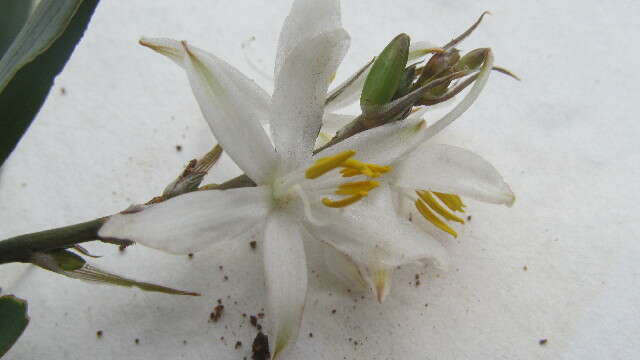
(565, 138)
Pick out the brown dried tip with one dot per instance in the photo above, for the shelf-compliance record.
(465, 34)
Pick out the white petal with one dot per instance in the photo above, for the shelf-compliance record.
(344, 268)
(453, 170)
(286, 279)
(233, 105)
(385, 144)
(193, 221)
(307, 19)
(371, 232)
(300, 93)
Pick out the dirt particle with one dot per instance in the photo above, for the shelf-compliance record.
(184, 342)
(63, 91)
(253, 320)
(469, 218)
(260, 347)
(178, 148)
(310, 335)
(238, 345)
(136, 341)
(333, 311)
(99, 333)
(217, 313)
(190, 255)
(525, 268)
(221, 267)
(225, 278)
(543, 342)
(260, 315)
(253, 244)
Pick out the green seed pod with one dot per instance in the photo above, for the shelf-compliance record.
(387, 72)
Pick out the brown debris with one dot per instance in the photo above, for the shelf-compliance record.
(238, 345)
(253, 244)
(178, 148)
(260, 347)
(217, 313)
(543, 342)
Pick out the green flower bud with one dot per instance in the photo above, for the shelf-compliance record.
(387, 73)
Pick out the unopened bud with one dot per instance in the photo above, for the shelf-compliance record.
(439, 64)
(472, 60)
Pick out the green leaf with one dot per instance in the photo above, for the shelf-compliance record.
(13, 15)
(35, 58)
(13, 321)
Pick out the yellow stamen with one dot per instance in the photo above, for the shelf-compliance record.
(358, 187)
(343, 202)
(432, 218)
(349, 172)
(452, 201)
(370, 170)
(324, 165)
(433, 204)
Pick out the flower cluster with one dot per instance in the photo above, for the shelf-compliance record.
(356, 195)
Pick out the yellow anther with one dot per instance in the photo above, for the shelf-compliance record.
(343, 202)
(349, 172)
(432, 218)
(434, 205)
(354, 167)
(452, 201)
(324, 165)
(358, 187)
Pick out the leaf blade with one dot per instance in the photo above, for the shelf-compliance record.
(13, 321)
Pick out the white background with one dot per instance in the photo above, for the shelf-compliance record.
(565, 138)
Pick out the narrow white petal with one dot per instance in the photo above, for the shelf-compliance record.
(233, 105)
(384, 144)
(372, 232)
(300, 93)
(193, 221)
(307, 19)
(286, 280)
(453, 170)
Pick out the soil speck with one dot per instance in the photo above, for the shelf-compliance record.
(260, 347)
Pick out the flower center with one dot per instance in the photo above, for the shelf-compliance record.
(428, 206)
(351, 191)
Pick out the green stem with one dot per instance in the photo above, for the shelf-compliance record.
(20, 248)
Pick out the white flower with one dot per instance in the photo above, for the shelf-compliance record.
(432, 176)
(297, 195)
